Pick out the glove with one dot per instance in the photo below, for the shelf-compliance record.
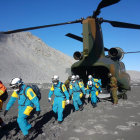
(49, 99)
(5, 112)
(67, 101)
(37, 113)
(87, 96)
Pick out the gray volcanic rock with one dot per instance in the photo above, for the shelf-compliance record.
(105, 122)
(24, 55)
(135, 76)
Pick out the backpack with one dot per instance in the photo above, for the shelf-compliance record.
(36, 89)
(60, 87)
(76, 87)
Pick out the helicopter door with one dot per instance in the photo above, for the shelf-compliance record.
(99, 72)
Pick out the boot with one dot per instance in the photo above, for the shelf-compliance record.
(59, 122)
(29, 133)
(31, 130)
(81, 107)
(94, 105)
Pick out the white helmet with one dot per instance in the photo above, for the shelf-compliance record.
(77, 77)
(73, 77)
(55, 79)
(90, 83)
(90, 77)
(15, 83)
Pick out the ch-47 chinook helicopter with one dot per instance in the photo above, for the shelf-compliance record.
(93, 59)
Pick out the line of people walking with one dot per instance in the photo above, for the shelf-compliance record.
(28, 98)
(73, 89)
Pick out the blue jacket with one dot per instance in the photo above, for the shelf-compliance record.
(91, 88)
(56, 89)
(27, 99)
(76, 87)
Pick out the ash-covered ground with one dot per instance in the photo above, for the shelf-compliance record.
(106, 121)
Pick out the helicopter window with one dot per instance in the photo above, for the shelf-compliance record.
(122, 67)
(106, 54)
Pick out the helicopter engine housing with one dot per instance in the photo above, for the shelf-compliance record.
(78, 55)
(116, 53)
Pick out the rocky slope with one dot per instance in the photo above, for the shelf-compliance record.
(135, 76)
(24, 55)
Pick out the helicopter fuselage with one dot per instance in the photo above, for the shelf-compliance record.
(93, 60)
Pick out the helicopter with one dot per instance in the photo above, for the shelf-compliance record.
(92, 60)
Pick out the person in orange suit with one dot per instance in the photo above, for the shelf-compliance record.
(3, 92)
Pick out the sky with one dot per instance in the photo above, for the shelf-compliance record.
(29, 13)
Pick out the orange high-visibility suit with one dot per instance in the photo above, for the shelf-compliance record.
(2, 91)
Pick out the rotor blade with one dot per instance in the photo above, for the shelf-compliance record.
(80, 39)
(122, 24)
(132, 52)
(103, 4)
(74, 37)
(39, 27)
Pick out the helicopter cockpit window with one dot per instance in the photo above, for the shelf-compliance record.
(122, 67)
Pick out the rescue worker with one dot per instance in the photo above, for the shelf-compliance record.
(79, 80)
(91, 91)
(3, 92)
(26, 101)
(113, 88)
(75, 90)
(95, 84)
(60, 92)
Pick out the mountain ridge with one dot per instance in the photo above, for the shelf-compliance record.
(26, 56)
